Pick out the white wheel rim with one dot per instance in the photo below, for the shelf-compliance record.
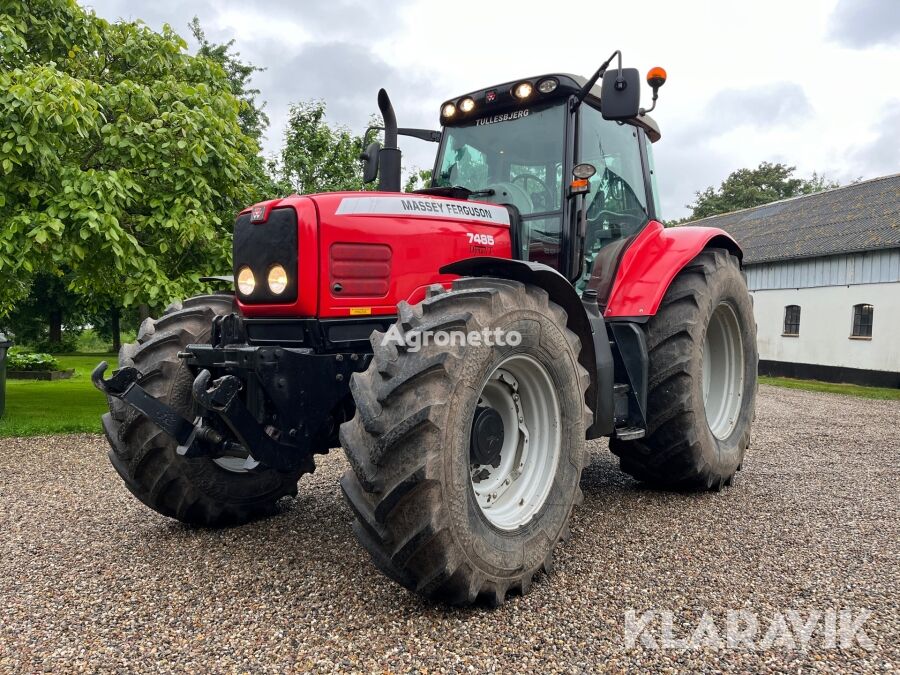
(512, 493)
(233, 464)
(723, 371)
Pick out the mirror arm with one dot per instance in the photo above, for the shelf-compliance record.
(642, 111)
(429, 135)
(579, 97)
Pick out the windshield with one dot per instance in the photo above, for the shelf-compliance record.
(518, 154)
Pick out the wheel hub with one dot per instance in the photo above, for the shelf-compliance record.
(487, 437)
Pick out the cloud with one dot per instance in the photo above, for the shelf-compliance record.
(880, 157)
(364, 21)
(774, 104)
(682, 170)
(864, 23)
(176, 13)
(319, 50)
(690, 157)
(347, 76)
(764, 107)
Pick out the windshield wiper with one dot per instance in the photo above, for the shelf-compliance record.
(487, 192)
(455, 192)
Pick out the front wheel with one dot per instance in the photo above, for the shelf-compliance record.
(199, 490)
(702, 380)
(466, 458)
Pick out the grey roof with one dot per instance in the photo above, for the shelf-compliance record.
(864, 216)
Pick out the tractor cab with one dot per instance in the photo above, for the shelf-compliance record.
(519, 143)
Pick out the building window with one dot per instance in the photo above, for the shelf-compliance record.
(862, 321)
(792, 320)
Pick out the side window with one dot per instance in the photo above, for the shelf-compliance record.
(791, 320)
(863, 317)
(653, 184)
(617, 202)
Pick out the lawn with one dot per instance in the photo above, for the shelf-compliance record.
(881, 393)
(64, 406)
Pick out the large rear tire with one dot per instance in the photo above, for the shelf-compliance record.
(199, 491)
(702, 380)
(436, 516)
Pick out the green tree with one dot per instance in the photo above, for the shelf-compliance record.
(40, 318)
(746, 188)
(418, 178)
(252, 115)
(120, 155)
(254, 120)
(317, 157)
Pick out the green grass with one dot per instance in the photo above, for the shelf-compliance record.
(881, 393)
(68, 406)
(65, 406)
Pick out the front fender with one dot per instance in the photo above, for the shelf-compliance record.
(651, 262)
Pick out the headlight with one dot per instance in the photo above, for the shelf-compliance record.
(246, 282)
(277, 279)
(449, 110)
(548, 85)
(522, 90)
(467, 105)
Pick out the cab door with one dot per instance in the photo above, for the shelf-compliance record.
(621, 200)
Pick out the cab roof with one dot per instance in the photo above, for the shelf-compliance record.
(500, 97)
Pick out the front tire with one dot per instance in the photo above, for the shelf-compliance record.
(201, 490)
(702, 380)
(436, 516)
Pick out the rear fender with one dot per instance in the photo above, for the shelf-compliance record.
(595, 356)
(653, 260)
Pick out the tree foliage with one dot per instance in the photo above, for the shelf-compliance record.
(417, 178)
(254, 120)
(747, 188)
(317, 157)
(120, 153)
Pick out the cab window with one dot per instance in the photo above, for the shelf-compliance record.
(515, 157)
(617, 202)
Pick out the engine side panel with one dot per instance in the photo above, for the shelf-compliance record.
(651, 262)
(376, 249)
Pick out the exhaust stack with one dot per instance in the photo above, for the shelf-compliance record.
(389, 156)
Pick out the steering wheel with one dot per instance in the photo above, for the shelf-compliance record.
(541, 198)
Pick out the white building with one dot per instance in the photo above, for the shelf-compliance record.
(824, 271)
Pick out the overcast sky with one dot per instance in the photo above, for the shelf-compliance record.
(813, 83)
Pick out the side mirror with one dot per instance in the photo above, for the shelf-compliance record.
(620, 94)
(370, 161)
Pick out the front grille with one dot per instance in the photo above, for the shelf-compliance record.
(259, 246)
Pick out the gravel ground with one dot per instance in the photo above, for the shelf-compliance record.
(92, 580)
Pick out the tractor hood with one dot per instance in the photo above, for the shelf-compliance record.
(357, 253)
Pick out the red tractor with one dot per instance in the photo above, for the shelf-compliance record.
(461, 343)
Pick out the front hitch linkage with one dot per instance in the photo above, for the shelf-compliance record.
(193, 439)
(219, 397)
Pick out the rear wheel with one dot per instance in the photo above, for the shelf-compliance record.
(200, 491)
(466, 459)
(702, 380)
